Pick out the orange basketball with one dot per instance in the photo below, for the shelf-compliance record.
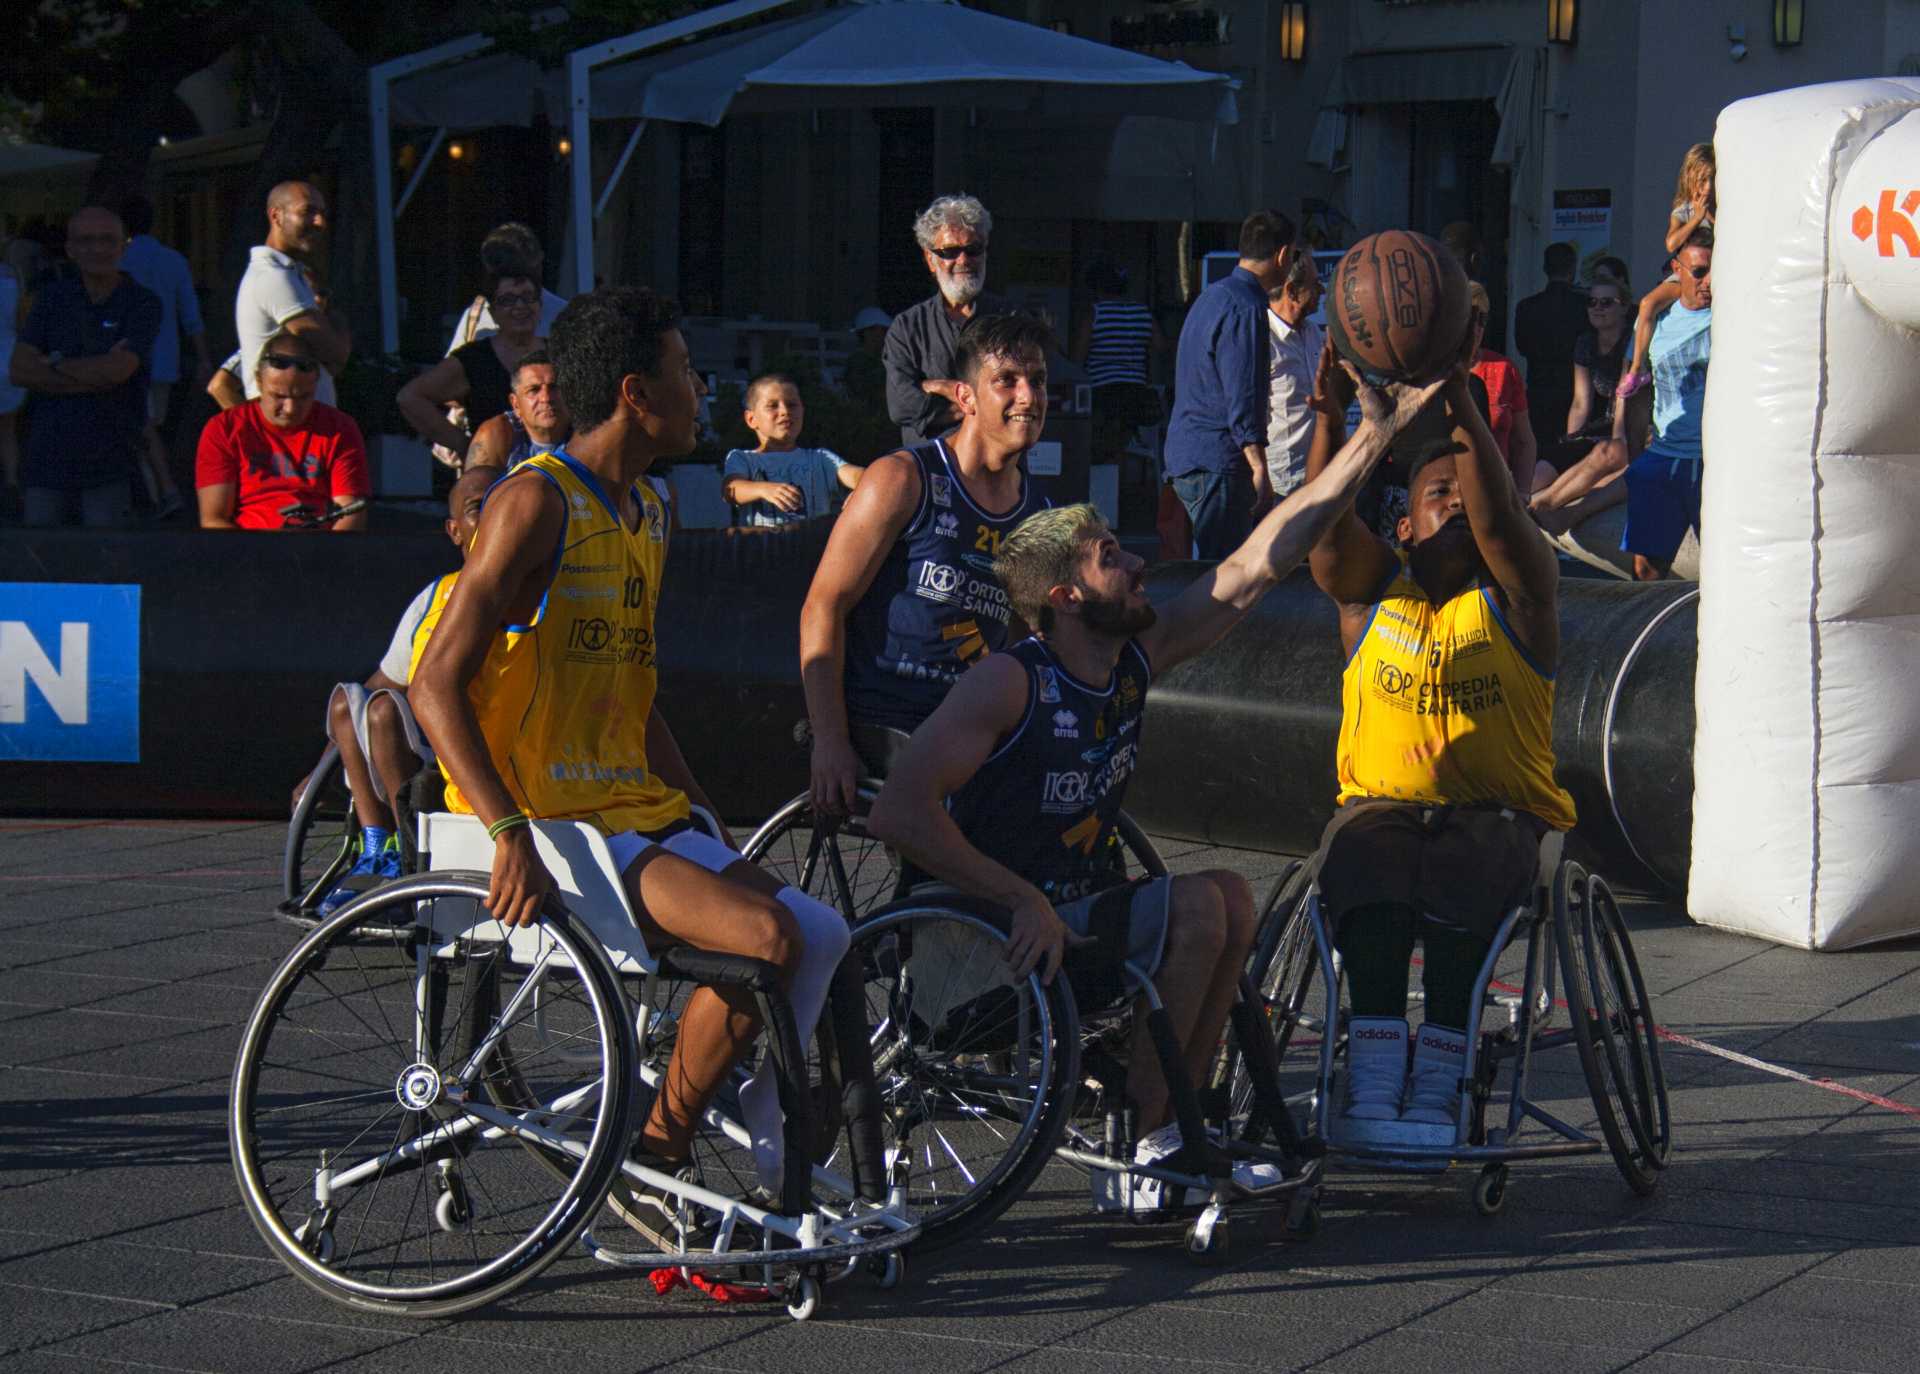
(1398, 307)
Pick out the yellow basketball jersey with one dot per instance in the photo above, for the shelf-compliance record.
(1441, 704)
(563, 702)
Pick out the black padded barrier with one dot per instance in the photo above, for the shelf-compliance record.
(242, 635)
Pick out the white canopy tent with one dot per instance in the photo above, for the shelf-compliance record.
(863, 55)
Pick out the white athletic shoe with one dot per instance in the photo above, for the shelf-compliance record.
(1433, 1084)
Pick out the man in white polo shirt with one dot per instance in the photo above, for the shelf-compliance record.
(1294, 342)
(275, 295)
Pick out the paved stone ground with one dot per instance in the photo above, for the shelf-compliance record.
(1786, 1234)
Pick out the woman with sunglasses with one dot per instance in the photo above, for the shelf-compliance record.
(479, 375)
(285, 459)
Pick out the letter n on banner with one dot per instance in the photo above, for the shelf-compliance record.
(69, 672)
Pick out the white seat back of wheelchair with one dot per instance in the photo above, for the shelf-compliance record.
(577, 856)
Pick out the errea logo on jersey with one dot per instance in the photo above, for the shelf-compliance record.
(947, 526)
(1066, 725)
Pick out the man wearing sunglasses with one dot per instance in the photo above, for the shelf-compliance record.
(1663, 483)
(922, 390)
(283, 449)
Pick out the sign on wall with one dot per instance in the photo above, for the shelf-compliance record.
(1583, 218)
(70, 672)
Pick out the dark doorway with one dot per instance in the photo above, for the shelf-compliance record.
(1452, 182)
(906, 186)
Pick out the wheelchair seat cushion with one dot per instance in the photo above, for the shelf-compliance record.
(1467, 865)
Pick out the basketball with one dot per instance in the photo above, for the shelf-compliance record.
(1398, 307)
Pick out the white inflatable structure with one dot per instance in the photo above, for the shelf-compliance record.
(1806, 823)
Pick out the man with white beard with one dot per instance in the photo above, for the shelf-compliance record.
(921, 388)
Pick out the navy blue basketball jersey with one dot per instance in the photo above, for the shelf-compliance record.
(935, 605)
(1045, 801)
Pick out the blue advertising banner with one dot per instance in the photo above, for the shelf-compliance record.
(69, 672)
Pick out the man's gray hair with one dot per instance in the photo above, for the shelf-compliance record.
(963, 210)
(1301, 272)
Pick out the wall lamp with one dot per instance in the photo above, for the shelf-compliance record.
(1789, 22)
(1293, 31)
(1563, 21)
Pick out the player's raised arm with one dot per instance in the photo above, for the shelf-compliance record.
(1516, 553)
(1217, 599)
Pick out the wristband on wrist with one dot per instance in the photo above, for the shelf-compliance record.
(512, 821)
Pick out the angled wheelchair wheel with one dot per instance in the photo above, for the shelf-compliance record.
(323, 838)
(1285, 969)
(1635, 1041)
(1612, 1027)
(375, 1146)
(976, 1070)
(837, 862)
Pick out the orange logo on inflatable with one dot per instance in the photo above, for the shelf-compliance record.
(1890, 225)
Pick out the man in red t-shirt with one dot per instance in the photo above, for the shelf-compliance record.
(281, 449)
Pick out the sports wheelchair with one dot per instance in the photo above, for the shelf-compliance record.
(1579, 960)
(429, 1108)
(323, 835)
(999, 1114)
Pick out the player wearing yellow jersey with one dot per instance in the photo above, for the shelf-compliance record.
(380, 744)
(1445, 756)
(537, 688)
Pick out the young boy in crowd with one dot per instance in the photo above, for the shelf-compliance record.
(779, 483)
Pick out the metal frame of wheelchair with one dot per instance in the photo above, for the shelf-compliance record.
(826, 1225)
(1579, 958)
(1208, 1234)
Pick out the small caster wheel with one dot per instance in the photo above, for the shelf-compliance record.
(803, 1296)
(451, 1213)
(1209, 1244)
(1490, 1190)
(317, 1241)
(887, 1270)
(1304, 1222)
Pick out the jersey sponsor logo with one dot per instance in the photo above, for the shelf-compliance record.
(596, 640)
(1049, 685)
(592, 770)
(1067, 787)
(1463, 696)
(942, 491)
(1465, 645)
(1063, 791)
(588, 593)
(947, 526)
(581, 505)
(980, 596)
(1066, 725)
(656, 522)
(589, 567)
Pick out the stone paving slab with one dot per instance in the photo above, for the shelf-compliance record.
(1786, 1235)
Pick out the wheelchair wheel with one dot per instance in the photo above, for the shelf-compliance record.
(1285, 969)
(976, 1072)
(367, 1129)
(323, 838)
(1612, 1026)
(840, 864)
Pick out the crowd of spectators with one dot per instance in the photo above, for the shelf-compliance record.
(97, 355)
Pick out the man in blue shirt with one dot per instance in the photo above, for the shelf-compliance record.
(1663, 483)
(1216, 452)
(84, 353)
(166, 274)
